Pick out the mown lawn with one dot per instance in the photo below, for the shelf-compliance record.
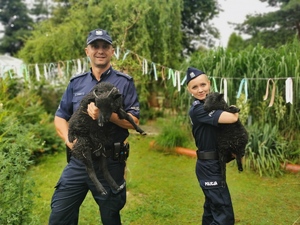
(163, 190)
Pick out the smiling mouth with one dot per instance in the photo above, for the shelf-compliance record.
(202, 96)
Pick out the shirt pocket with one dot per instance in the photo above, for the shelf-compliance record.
(77, 97)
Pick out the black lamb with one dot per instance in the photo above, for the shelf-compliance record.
(232, 138)
(92, 136)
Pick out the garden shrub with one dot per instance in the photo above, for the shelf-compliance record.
(15, 157)
(174, 133)
(266, 150)
(26, 132)
(26, 107)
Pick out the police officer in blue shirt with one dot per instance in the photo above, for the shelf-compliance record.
(217, 206)
(74, 182)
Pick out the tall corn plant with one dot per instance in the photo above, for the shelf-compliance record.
(265, 150)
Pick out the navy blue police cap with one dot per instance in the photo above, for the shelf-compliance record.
(192, 73)
(98, 34)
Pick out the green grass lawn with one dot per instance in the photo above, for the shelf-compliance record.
(163, 190)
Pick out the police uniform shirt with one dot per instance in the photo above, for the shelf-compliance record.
(204, 128)
(82, 84)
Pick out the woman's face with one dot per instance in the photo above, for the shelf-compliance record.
(199, 87)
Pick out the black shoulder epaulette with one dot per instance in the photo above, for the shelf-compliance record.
(78, 75)
(123, 75)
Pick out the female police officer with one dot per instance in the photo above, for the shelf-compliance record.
(74, 182)
(218, 206)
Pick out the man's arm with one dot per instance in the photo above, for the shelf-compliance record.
(62, 128)
(93, 112)
(123, 123)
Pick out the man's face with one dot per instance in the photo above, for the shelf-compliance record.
(100, 53)
(199, 87)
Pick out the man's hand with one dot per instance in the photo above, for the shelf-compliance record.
(93, 111)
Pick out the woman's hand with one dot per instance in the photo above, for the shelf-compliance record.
(70, 144)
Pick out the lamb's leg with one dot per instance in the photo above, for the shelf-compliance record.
(91, 172)
(233, 109)
(123, 115)
(107, 175)
(239, 162)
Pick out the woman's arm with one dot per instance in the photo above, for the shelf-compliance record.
(227, 117)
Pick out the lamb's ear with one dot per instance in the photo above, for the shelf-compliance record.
(117, 96)
(221, 95)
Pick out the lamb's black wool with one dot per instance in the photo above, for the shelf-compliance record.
(232, 138)
(93, 135)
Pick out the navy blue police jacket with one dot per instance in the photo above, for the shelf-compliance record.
(204, 129)
(82, 84)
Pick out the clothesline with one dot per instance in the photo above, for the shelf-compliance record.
(81, 65)
(244, 86)
(252, 78)
(57, 72)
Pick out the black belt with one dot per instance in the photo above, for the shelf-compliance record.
(207, 155)
(113, 150)
(116, 151)
(119, 151)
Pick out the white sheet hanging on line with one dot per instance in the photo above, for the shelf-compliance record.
(79, 68)
(145, 66)
(45, 72)
(37, 72)
(224, 81)
(289, 90)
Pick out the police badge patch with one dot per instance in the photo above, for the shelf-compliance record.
(99, 32)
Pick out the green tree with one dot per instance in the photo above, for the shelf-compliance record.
(17, 25)
(151, 29)
(41, 10)
(195, 23)
(235, 42)
(274, 28)
(60, 11)
(156, 29)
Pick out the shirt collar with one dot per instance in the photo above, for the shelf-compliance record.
(105, 74)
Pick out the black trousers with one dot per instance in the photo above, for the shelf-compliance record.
(72, 188)
(217, 209)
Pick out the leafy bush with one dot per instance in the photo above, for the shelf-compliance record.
(50, 96)
(26, 131)
(266, 150)
(15, 153)
(174, 133)
(26, 108)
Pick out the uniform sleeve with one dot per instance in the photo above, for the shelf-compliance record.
(131, 102)
(205, 117)
(65, 108)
